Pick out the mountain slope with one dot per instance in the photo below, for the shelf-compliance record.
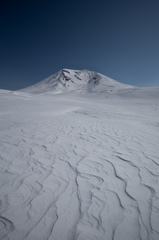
(83, 81)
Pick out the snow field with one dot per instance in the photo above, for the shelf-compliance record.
(74, 167)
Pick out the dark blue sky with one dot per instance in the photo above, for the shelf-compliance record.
(118, 38)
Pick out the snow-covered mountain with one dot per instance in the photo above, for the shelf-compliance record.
(79, 166)
(82, 81)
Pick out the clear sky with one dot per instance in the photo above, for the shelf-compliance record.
(118, 38)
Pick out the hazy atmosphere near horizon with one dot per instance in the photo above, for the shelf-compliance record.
(119, 39)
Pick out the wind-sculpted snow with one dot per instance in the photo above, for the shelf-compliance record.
(74, 168)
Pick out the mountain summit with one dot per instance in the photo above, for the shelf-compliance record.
(83, 81)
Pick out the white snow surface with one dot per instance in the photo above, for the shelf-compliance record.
(79, 167)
